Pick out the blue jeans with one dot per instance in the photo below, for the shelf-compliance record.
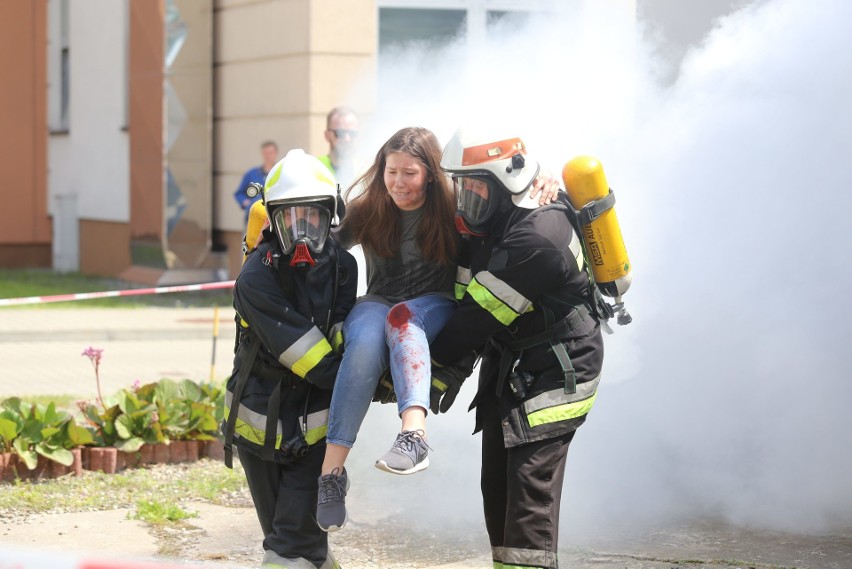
(375, 336)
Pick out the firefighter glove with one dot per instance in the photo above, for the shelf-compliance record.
(384, 389)
(447, 382)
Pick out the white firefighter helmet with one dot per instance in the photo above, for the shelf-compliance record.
(300, 197)
(485, 171)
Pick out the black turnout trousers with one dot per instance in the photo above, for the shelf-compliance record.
(521, 493)
(285, 498)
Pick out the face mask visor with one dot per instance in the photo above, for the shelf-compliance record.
(475, 199)
(307, 224)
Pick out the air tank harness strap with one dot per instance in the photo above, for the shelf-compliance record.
(283, 378)
(595, 208)
(245, 368)
(578, 322)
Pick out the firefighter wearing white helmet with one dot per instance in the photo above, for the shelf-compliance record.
(475, 163)
(524, 306)
(292, 294)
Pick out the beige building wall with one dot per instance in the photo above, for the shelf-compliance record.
(280, 66)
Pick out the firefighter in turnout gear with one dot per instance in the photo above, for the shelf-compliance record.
(525, 306)
(291, 296)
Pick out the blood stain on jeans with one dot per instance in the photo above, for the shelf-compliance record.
(399, 316)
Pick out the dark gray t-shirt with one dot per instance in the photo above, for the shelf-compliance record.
(407, 274)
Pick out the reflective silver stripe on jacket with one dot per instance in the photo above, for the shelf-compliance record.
(316, 427)
(556, 406)
(463, 276)
(527, 557)
(252, 418)
(300, 347)
(558, 396)
(314, 431)
(503, 292)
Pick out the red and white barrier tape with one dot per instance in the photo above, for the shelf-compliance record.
(111, 293)
(17, 559)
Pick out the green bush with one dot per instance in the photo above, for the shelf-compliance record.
(31, 429)
(153, 413)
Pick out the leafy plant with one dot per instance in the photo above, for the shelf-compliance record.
(188, 410)
(35, 429)
(156, 413)
(156, 512)
(102, 421)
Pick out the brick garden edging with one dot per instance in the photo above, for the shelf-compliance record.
(110, 460)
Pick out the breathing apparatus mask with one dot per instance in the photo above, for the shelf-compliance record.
(302, 229)
(301, 201)
(478, 200)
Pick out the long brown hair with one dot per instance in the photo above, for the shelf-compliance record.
(372, 218)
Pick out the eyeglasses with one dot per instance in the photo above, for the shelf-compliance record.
(341, 132)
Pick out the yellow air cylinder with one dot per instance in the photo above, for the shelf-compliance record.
(585, 182)
(256, 220)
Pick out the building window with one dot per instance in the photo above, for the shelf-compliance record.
(59, 66)
(400, 28)
(498, 19)
(64, 87)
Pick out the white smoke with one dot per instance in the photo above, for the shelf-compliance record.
(728, 397)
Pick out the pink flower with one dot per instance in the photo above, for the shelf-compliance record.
(136, 385)
(94, 354)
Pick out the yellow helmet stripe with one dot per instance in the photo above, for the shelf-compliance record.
(271, 180)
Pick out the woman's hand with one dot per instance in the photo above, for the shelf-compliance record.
(547, 186)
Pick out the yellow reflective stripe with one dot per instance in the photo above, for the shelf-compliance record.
(316, 426)
(503, 291)
(313, 436)
(252, 434)
(502, 301)
(252, 425)
(270, 181)
(305, 353)
(326, 160)
(459, 290)
(463, 276)
(561, 412)
(440, 385)
(247, 430)
(558, 396)
(307, 362)
(323, 176)
(335, 335)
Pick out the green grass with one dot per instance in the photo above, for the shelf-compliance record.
(155, 512)
(35, 282)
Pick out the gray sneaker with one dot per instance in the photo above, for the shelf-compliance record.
(409, 454)
(331, 500)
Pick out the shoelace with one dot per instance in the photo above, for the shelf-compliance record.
(408, 439)
(331, 487)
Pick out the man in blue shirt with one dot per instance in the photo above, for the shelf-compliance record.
(269, 154)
